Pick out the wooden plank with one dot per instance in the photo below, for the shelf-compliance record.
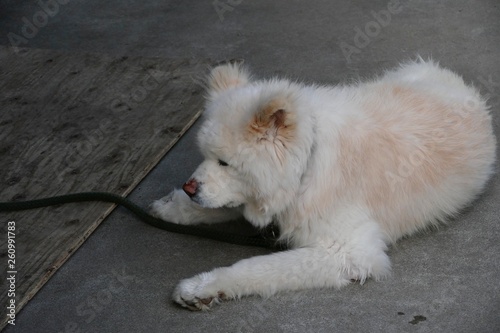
(73, 122)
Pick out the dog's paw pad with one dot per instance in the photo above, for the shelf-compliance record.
(198, 304)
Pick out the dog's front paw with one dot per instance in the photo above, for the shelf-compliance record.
(163, 207)
(198, 293)
(172, 208)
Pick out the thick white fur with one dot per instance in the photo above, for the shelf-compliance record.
(344, 172)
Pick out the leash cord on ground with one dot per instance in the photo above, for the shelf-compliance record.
(266, 238)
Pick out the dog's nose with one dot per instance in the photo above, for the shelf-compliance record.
(190, 187)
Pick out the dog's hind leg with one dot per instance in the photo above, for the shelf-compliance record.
(177, 207)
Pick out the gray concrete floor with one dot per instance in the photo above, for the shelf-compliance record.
(121, 279)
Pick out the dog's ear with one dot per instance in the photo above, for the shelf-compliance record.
(274, 119)
(226, 76)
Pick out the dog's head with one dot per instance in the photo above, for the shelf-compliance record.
(255, 152)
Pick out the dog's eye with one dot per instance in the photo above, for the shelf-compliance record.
(222, 163)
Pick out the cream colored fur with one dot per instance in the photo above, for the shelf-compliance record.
(343, 171)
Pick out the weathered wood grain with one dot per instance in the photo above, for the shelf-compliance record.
(72, 122)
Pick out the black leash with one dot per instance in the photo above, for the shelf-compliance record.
(266, 238)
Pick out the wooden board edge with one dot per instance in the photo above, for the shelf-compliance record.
(62, 260)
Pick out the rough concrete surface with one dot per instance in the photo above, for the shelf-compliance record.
(121, 279)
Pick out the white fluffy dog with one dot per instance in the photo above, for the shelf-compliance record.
(343, 172)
